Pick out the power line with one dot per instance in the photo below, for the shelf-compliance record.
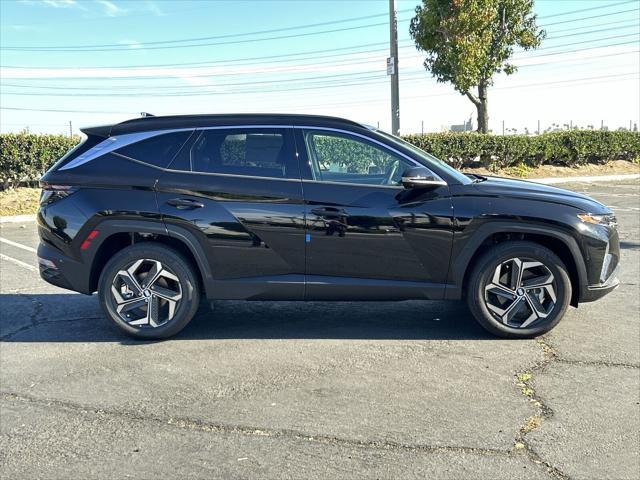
(267, 59)
(134, 88)
(163, 44)
(589, 18)
(219, 74)
(356, 81)
(588, 9)
(218, 37)
(580, 79)
(207, 44)
(261, 60)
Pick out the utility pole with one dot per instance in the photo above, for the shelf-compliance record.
(70, 129)
(392, 68)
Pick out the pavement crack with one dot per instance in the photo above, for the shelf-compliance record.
(37, 323)
(246, 430)
(598, 363)
(544, 412)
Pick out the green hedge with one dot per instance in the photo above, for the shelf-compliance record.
(25, 157)
(566, 148)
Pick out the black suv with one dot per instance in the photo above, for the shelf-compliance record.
(154, 212)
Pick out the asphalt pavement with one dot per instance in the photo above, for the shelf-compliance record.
(318, 390)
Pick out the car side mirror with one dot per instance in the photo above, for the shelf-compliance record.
(420, 177)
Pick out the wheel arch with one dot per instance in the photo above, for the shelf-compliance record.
(118, 234)
(559, 242)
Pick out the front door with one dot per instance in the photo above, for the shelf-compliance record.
(368, 237)
(238, 190)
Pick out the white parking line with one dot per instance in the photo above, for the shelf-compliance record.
(17, 262)
(18, 245)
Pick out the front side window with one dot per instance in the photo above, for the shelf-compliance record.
(337, 157)
(251, 152)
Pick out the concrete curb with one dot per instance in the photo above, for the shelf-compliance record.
(595, 178)
(18, 219)
(546, 181)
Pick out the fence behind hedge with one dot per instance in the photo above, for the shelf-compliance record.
(25, 157)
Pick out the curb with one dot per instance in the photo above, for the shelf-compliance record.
(595, 178)
(18, 219)
(545, 181)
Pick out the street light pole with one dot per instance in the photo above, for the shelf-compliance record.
(392, 68)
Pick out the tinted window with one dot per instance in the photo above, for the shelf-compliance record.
(344, 158)
(158, 150)
(254, 152)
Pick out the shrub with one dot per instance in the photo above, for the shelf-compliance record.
(568, 148)
(25, 157)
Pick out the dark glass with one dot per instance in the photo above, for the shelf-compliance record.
(251, 152)
(158, 151)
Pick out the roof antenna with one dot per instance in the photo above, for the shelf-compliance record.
(146, 114)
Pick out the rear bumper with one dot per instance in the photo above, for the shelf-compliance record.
(62, 271)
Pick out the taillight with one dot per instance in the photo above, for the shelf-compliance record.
(53, 193)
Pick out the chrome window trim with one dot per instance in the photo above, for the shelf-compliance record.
(232, 127)
(384, 146)
(234, 175)
(111, 144)
(351, 184)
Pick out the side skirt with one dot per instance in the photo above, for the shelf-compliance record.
(323, 288)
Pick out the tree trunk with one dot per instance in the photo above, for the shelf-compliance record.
(483, 108)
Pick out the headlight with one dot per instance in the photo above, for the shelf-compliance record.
(608, 220)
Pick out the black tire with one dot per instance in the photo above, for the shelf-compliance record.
(482, 275)
(173, 262)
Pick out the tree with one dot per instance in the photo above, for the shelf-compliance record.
(468, 41)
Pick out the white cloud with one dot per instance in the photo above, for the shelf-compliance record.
(132, 44)
(153, 7)
(60, 3)
(110, 8)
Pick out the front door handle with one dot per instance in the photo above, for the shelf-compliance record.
(184, 203)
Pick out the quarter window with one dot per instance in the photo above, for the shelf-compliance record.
(158, 150)
(339, 157)
(252, 152)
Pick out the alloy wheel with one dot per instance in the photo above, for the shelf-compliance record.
(521, 291)
(146, 293)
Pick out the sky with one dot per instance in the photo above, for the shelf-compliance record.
(103, 61)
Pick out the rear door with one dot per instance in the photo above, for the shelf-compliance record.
(238, 190)
(368, 237)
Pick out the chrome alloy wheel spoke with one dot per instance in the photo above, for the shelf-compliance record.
(146, 293)
(520, 292)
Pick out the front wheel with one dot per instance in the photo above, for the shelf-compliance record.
(519, 290)
(149, 291)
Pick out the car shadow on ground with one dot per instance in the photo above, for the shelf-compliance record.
(625, 245)
(78, 318)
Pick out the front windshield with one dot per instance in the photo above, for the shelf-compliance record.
(428, 158)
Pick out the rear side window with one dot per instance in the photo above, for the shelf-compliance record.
(251, 152)
(158, 150)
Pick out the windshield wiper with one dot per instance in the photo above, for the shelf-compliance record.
(476, 177)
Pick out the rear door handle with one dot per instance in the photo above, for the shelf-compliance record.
(184, 203)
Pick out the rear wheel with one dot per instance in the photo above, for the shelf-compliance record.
(519, 290)
(149, 291)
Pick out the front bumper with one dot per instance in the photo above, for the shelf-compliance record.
(591, 293)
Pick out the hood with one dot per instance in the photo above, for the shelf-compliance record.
(511, 188)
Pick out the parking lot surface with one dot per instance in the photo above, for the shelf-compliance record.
(318, 390)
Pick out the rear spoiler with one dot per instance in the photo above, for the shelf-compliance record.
(103, 131)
